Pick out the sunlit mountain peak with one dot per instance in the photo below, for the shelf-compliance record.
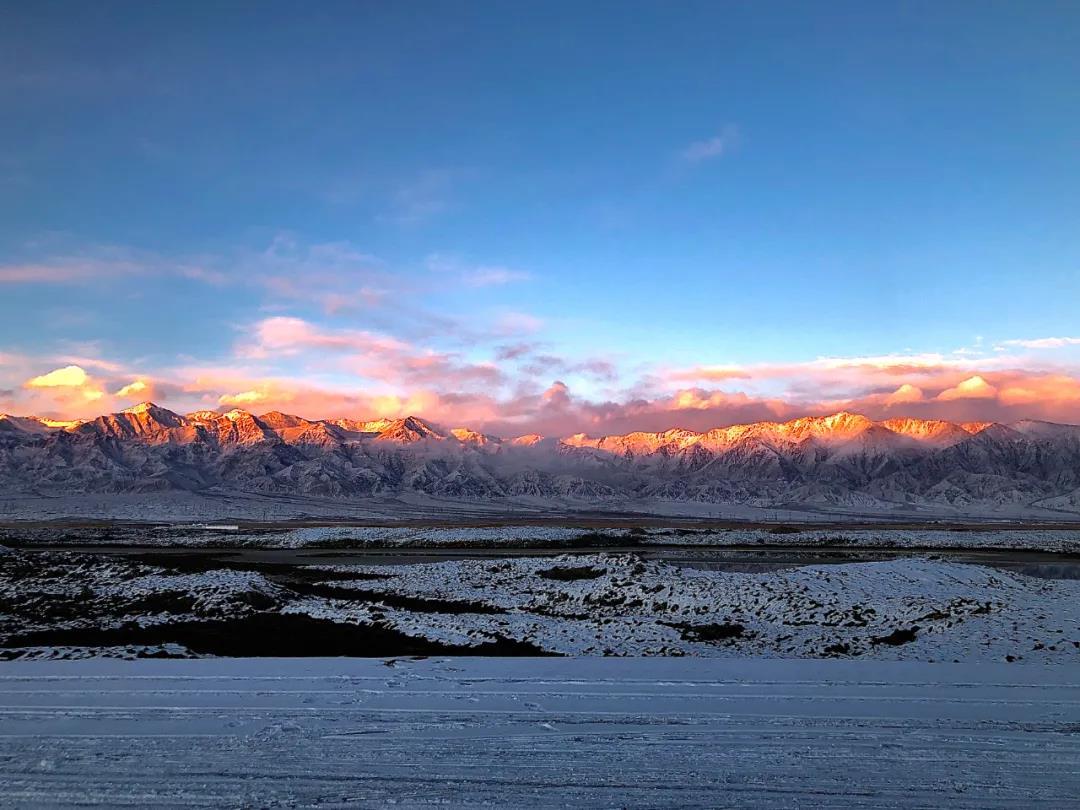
(467, 436)
(528, 440)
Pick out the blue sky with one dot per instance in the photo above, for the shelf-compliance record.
(634, 189)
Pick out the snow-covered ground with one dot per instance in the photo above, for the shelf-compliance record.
(538, 732)
(620, 604)
(912, 608)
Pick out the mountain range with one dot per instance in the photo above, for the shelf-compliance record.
(840, 461)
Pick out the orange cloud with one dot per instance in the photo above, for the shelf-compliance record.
(972, 388)
(244, 398)
(66, 377)
(905, 394)
(520, 390)
(139, 390)
(69, 383)
(1055, 388)
(69, 389)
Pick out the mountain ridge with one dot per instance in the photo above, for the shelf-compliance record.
(834, 460)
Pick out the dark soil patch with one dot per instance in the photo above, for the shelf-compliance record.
(897, 637)
(194, 563)
(271, 635)
(358, 576)
(570, 574)
(416, 604)
(283, 573)
(599, 540)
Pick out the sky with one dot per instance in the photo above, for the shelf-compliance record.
(542, 217)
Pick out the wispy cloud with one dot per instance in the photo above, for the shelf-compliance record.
(480, 275)
(493, 276)
(420, 199)
(69, 270)
(711, 148)
(515, 323)
(1043, 343)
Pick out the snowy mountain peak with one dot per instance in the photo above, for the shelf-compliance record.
(408, 430)
(580, 440)
(467, 436)
(202, 416)
(280, 421)
(528, 440)
(33, 424)
(934, 431)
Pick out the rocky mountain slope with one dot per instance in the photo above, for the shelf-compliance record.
(844, 460)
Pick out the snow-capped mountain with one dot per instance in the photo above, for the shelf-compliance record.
(843, 460)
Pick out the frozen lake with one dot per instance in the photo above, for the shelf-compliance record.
(531, 732)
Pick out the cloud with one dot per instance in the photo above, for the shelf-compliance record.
(513, 351)
(475, 276)
(242, 398)
(364, 354)
(206, 275)
(68, 270)
(438, 388)
(905, 395)
(848, 376)
(67, 384)
(493, 276)
(1049, 389)
(279, 336)
(972, 388)
(509, 323)
(140, 390)
(420, 199)
(711, 148)
(713, 373)
(557, 395)
(66, 377)
(541, 365)
(511, 385)
(1043, 343)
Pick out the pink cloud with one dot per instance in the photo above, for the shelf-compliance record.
(520, 390)
(285, 335)
(67, 271)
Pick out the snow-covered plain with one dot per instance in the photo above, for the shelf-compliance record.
(75, 605)
(538, 732)
(916, 609)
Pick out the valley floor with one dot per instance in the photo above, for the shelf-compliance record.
(538, 732)
(230, 505)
